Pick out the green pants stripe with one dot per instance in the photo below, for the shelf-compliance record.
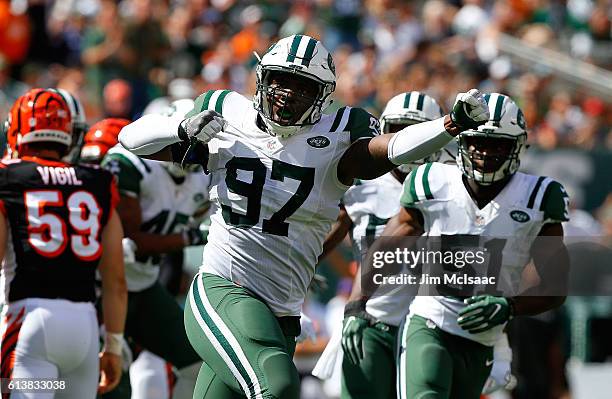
(223, 340)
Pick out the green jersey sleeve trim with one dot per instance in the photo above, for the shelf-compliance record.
(409, 197)
(426, 188)
(211, 100)
(555, 203)
(534, 193)
(128, 175)
(337, 119)
(362, 125)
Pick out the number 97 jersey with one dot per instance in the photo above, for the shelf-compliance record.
(276, 197)
(56, 213)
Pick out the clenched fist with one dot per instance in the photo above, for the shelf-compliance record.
(203, 126)
(470, 110)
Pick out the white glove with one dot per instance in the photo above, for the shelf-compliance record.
(470, 110)
(129, 251)
(307, 329)
(203, 126)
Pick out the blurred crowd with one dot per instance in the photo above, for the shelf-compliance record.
(120, 55)
(126, 57)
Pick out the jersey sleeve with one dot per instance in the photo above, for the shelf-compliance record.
(128, 176)
(555, 203)
(419, 186)
(212, 100)
(362, 125)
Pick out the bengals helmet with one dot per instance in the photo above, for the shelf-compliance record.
(39, 115)
(100, 138)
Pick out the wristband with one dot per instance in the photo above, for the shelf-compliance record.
(356, 307)
(113, 343)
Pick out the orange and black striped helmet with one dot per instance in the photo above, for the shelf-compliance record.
(100, 137)
(40, 115)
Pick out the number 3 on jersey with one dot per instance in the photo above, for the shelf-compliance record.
(47, 231)
(253, 191)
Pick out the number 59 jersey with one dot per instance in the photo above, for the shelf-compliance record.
(277, 198)
(56, 213)
(508, 225)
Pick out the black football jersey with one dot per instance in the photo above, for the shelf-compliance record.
(56, 213)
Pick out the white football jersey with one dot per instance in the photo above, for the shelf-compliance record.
(167, 206)
(370, 204)
(511, 220)
(277, 197)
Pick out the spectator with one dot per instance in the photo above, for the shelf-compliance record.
(118, 100)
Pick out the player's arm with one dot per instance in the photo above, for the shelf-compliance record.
(370, 158)
(146, 243)
(114, 303)
(167, 138)
(551, 261)
(408, 222)
(339, 230)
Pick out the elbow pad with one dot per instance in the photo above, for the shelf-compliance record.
(150, 134)
(415, 142)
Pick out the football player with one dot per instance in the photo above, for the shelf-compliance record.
(279, 168)
(447, 343)
(370, 332)
(57, 225)
(78, 127)
(100, 138)
(370, 326)
(160, 208)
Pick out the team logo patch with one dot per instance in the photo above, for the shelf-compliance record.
(318, 142)
(520, 216)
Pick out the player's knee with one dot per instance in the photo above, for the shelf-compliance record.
(435, 371)
(281, 377)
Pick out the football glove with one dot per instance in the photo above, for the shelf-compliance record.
(194, 236)
(203, 126)
(484, 312)
(356, 319)
(352, 337)
(470, 110)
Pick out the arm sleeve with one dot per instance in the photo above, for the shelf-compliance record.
(418, 141)
(150, 134)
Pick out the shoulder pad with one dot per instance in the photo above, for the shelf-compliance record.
(361, 124)
(214, 100)
(427, 182)
(549, 196)
(127, 158)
